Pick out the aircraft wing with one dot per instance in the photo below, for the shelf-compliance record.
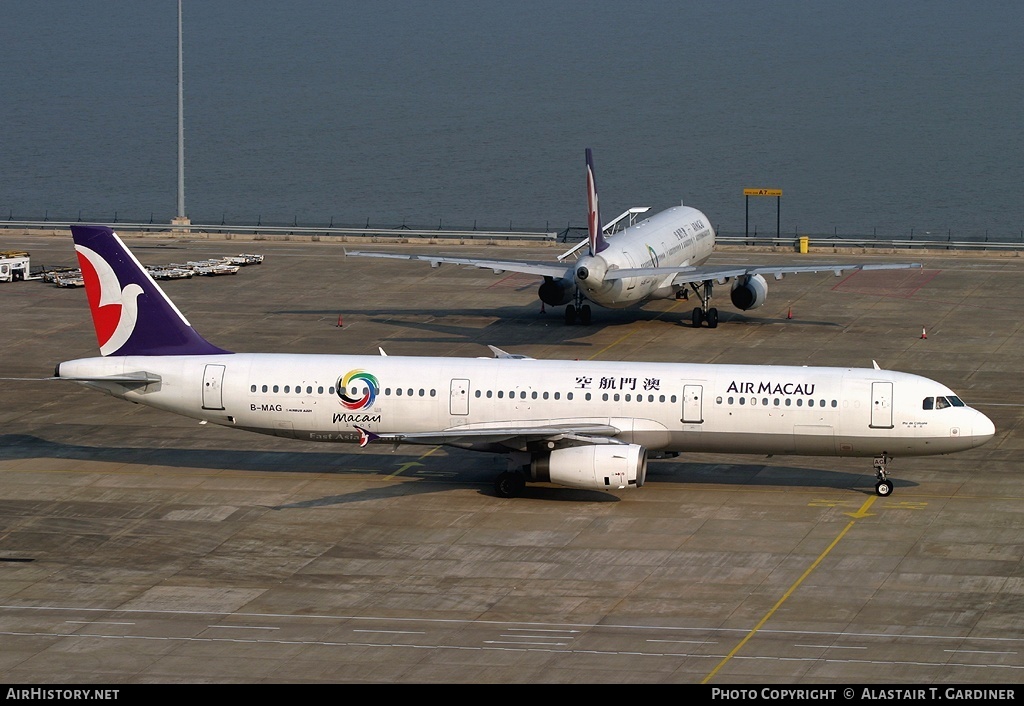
(541, 269)
(569, 434)
(684, 274)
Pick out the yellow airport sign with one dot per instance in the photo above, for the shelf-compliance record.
(762, 192)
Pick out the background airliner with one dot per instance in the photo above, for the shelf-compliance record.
(661, 257)
(581, 424)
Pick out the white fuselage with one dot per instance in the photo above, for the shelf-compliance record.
(678, 236)
(662, 406)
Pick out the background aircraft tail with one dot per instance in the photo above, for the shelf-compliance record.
(597, 241)
(130, 312)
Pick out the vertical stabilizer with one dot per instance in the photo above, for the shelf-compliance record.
(132, 315)
(597, 241)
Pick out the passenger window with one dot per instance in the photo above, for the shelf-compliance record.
(320, 390)
(743, 400)
(929, 403)
(789, 402)
(275, 388)
(501, 394)
(800, 402)
(835, 403)
(264, 388)
(568, 395)
(764, 401)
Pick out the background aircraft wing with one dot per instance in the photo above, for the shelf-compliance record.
(565, 434)
(541, 269)
(685, 274)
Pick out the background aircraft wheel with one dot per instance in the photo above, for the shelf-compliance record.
(883, 488)
(570, 315)
(585, 314)
(697, 317)
(712, 318)
(509, 484)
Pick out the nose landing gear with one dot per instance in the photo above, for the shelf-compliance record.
(884, 486)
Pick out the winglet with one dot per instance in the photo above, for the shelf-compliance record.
(597, 241)
(131, 314)
(366, 436)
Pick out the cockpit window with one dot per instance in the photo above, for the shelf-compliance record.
(929, 403)
(942, 403)
(956, 401)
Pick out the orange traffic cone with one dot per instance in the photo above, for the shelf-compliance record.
(790, 314)
(339, 320)
(924, 335)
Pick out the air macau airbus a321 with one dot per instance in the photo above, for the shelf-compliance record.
(661, 257)
(581, 424)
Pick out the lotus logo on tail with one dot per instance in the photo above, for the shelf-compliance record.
(114, 310)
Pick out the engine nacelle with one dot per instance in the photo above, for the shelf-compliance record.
(555, 292)
(593, 467)
(749, 292)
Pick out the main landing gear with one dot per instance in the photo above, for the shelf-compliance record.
(703, 312)
(577, 311)
(509, 484)
(884, 486)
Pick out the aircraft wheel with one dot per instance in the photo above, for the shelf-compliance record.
(570, 315)
(712, 318)
(883, 488)
(697, 317)
(509, 484)
(585, 314)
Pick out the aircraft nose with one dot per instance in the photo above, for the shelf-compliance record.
(982, 429)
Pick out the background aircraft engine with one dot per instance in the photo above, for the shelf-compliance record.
(594, 467)
(749, 292)
(555, 292)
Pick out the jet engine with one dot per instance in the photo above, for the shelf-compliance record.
(749, 292)
(555, 292)
(593, 467)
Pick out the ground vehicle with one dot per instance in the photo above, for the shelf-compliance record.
(14, 265)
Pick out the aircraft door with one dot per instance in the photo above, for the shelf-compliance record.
(693, 412)
(881, 405)
(630, 282)
(213, 380)
(459, 404)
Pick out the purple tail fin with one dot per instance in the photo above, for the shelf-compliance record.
(597, 241)
(132, 315)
